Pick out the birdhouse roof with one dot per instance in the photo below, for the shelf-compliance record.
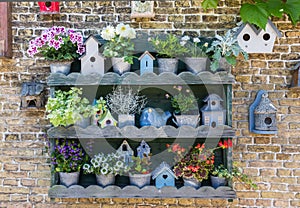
(213, 97)
(297, 66)
(146, 53)
(265, 106)
(257, 31)
(142, 144)
(92, 37)
(161, 168)
(128, 147)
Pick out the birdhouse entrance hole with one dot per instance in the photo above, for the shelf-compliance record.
(92, 59)
(124, 147)
(48, 4)
(268, 121)
(165, 176)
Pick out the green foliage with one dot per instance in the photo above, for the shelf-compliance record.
(140, 166)
(168, 46)
(67, 107)
(207, 4)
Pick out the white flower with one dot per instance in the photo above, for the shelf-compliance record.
(123, 30)
(95, 163)
(205, 44)
(196, 40)
(108, 33)
(182, 43)
(105, 165)
(119, 164)
(185, 38)
(86, 167)
(116, 168)
(104, 171)
(131, 33)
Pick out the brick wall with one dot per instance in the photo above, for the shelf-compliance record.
(271, 160)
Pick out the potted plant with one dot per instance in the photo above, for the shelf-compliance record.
(185, 106)
(225, 51)
(195, 164)
(195, 58)
(140, 171)
(67, 158)
(119, 46)
(68, 107)
(168, 50)
(124, 102)
(105, 167)
(58, 45)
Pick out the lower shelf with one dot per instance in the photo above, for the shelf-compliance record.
(95, 191)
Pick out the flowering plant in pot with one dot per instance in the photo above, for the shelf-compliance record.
(105, 167)
(119, 46)
(225, 47)
(195, 58)
(140, 171)
(185, 106)
(195, 164)
(58, 44)
(67, 158)
(68, 107)
(168, 48)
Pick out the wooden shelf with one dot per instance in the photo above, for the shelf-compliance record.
(167, 78)
(75, 132)
(94, 191)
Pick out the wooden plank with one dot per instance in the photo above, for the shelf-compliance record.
(5, 29)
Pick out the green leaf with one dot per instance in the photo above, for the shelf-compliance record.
(255, 14)
(292, 9)
(209, 4)
(275, 7)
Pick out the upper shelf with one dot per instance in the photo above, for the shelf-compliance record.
(132, 78)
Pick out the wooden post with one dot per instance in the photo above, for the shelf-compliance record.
(5, 29)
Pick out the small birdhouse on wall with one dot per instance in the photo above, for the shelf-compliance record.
(296, 76)
(126, 152)
(92, 61)
(213, 113)
(49, 7)
(146, 62)
(140, 9)
(143, 150)
(262, 115)
(253, 40)
(32, 95)
(163, 176)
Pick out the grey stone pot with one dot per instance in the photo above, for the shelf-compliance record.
(105, 180)
(217, 181)
(187, 120)
(119, 65)
(68, 179)
(61, 67)
(196, 64)
(140, 180)
(167, 65)
(83, 122)
(125, 120)
(192, 182)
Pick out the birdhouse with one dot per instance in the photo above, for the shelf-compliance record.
(126, 152)
(105, 120)
(296, 76)
(32, 95)
(143, 150)
(262, 115)
(142, 9)
(253, 40)
(213, 113)
(92, 61)
(49, 7)
(163, 176)
(146, 62)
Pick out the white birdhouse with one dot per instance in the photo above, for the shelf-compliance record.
(213, 113)
(92, 61)
(126, 152)
(146, 62)
(253, 40)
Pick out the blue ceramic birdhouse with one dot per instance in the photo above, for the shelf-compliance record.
(163, 176)
(213, 113)
(146, 62)
(126, 152)
(143, 150)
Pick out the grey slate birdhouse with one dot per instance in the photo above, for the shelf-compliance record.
(143, 150)
(213, 113)
(32, 95)
(163, 176)
(146, 62)
(252, 40)
(92, 61)
(126, 152)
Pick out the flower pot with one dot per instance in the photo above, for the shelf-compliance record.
(69, 179)
(140, 180)
(196, 64)
(192, 182)
(167, 65)
(224, 65)
(61, 67)
(217, 181)
(83, 122)
(119, 65)
(126, 120)
(187, 120)
(105, 180)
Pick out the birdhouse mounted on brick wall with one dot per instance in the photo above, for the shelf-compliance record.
(49, 7)
(146, 62)
(92, 61)
(143, 150)
(126, 152)
(296, 76)
(262, 115)
(32, 95)
(142, 9)
(253, 40)
(213, 113)
(163, 176)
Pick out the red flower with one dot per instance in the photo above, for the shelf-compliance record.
(193, 169)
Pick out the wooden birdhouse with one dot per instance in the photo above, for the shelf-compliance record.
(92, 61)
(262, 115)
(143, 150)
(296, 76)
(253, 40)
(213, 113)
(142, 9)
(105, 120)
(163, 176)
(126, 152)
(49, 7)
(32, 95)
(146, 62)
